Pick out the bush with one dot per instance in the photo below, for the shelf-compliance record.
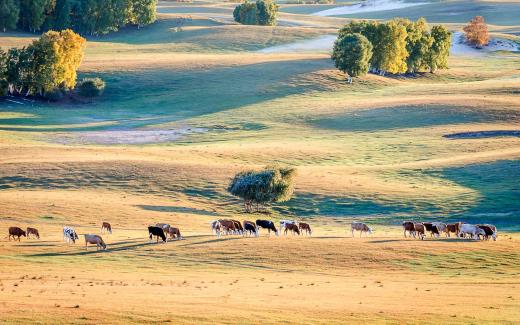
(91, 87)
(54, 95)
(261, 12)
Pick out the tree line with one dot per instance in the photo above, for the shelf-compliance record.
(87, 17)
(261, 12)
(47, 67)
(397, 46)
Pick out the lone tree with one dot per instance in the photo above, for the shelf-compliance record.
(259, 188)
(352, 54)
(477, 32)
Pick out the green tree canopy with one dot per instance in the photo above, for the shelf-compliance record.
(9, 12)
(91, 87)
(272, 184)
(440, 50)
(352, 54)
(261, 12)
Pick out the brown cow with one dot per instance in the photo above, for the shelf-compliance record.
(305, 226)
(453, 228)
(408, 226)
(419, 230)
(293, 228)
(238, 227)
(34, 232)
(174, 233)
(227, 225)
(16, 232)
(106, 227)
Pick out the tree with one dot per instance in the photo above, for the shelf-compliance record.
(272, 184)
(9, 12)
(62, 19)
(352, 54)
(418, 43)
(32, 14)
(266, 11)
(437, 56)
(91, 87)
(3, 73)
(393, 48)
(477, 32)
(143, 12)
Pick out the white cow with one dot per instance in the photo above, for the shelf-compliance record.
(283, 223)
(442, 228)
(361, 227)
(472, 230)
(69, 234)
(96, 240)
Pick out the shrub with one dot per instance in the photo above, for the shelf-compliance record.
(54, 95)
(91, 87)
(261, 12)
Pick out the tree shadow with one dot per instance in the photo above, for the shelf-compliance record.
(175, 209)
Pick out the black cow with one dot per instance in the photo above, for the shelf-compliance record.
(250, 227)
(429, 227)
(269, 225)
(157, 232)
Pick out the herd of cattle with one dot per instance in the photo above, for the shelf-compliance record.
(221, 227)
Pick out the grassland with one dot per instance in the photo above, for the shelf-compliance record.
(375, 150)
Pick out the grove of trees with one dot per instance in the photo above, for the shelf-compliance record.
(397, 46)
(259, 188)
(477, 32)
(86, 17)
(46, 68)
(261, 12)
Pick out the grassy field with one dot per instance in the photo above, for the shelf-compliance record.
(375, 150)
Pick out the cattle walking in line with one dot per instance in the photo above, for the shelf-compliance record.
(69, 234)
(250, 227)
(106, 227)
(305, 227)
(34, 232)
(157, 232)
(16, 232)
(284, 223)
(472, 230)
(419, 230)
(95, 240)
(431, 228)
(407, 226)
(174, 233)
(267, 224)
(361, 227)
(293, 228)
(453, 228)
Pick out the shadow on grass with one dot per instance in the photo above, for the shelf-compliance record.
(175, 209)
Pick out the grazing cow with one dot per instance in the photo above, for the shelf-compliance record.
(163, 226)
(293, 228)
(453, 228)
(305, 226)
(157, 232)
(227, 226)
(267, 224)
(96, 240)
(419, 229)
(472, 230)
(490, 231)
(34, 232)
(214, 225)
(238, 227)
(250, 227)
(442, 228)
(361, 227)
(16, 232)
(435, 231)
(407, 226)
(174, 233)
(106, 227)
(69, 234)
(284, 223)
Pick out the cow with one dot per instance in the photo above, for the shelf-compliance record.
(284, 223)
(361, 227)
(214, 224)
(453, 228)
(293, 228)
(96, 240)
(305, 226)
(435, 230)
(238, 227)
(174, 233)
(16, 232)
(157, 232)
(163, 226)
(250, 227)
(429, 227)
(407, 226)
(442, 228)
(419, 230)
(34, 232)
(267, 224)
(472, 230)
(227, 226)
(106, 227)
(69, 234)
(490, 231)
